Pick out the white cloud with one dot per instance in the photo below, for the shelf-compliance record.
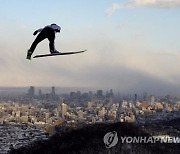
(137, 3)
(113, 8)
(158, 3)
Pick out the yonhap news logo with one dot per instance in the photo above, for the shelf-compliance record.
(150, 139)
(110, 139)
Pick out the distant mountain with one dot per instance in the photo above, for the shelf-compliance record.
(89, 140)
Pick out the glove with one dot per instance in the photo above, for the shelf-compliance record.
(35, 32)
(57, 30)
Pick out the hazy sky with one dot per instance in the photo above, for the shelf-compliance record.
(132, 44)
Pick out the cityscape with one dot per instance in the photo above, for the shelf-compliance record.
(34, 115)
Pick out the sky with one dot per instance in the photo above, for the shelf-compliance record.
(132, 45)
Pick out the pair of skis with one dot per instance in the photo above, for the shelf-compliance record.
(57, 54)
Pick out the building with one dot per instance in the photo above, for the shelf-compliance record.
(102, 112)
(111, 93)
(53, 92)
(80, 114)
(59, 108)
(118, 113)
(135, 97)
(99, 94)
(64, 109)
(152, 99)
(31, 92)
(89, 105)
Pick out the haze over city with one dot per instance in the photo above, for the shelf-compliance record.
(132, 44)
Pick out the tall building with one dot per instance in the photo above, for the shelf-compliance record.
(152, 99)
(78, 94)
(111, 93)
(31, 92)
(59, 108)
(64, 109)
(53, 93)
(118, 113)
(135, 97)
(61, 100)
(99, 94)
(72, 95)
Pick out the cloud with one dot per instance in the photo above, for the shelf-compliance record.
(147, 3)
(156, 3)
(113, 8)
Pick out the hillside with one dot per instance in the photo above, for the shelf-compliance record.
(89, 139)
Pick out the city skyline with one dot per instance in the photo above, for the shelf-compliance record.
(132, 45)
(55, 92)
